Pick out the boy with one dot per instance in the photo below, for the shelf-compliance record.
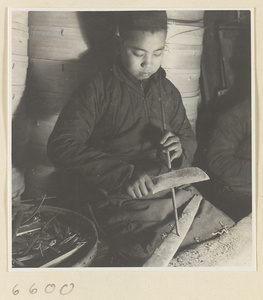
(110, 138)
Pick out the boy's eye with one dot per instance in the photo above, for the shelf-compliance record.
(158, 53)
(138, 53)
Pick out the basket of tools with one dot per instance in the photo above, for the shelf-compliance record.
(47, 236)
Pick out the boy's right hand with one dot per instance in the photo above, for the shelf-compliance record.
(139, 185)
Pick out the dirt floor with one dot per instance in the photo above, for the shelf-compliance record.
(232, 248)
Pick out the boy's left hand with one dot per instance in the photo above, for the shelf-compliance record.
(171, 143)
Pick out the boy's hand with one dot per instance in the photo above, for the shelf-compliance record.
(140, 185)
(171, 143)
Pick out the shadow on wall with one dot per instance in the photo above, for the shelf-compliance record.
(98, 28)
(64, 49)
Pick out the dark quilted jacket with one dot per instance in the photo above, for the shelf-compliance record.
(229, 153)
(114, 121)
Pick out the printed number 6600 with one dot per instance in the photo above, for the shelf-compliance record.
(50, 288)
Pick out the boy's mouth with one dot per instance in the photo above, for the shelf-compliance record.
(144, 74)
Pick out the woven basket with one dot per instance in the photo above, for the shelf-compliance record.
(185, 15)
(54, 19)
(187, 81)
(82, 257)
(187, 34)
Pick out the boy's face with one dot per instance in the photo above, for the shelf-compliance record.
(142, 52)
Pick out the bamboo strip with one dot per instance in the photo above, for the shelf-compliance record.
(164, 254)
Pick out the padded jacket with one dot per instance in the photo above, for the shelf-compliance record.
(229, 153)
(113, 122)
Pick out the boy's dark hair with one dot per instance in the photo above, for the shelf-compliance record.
(142, 20)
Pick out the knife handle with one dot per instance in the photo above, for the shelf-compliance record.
(169, 164)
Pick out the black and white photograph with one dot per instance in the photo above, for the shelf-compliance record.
(132, 139)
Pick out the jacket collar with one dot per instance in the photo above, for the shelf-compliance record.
(122, 74)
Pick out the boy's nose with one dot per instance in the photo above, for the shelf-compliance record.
(147, 62)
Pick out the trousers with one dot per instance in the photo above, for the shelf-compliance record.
(136, 227)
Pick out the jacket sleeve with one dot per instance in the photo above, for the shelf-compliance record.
(181, 127)
(69, 146)
(229, 149)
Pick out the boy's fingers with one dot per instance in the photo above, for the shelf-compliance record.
(137, 191)
(149, 184)
(166, 136)
(171, 140)
(140, 187)
(131, 193)
(174, 147)
(176, 155)
(144, 189)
